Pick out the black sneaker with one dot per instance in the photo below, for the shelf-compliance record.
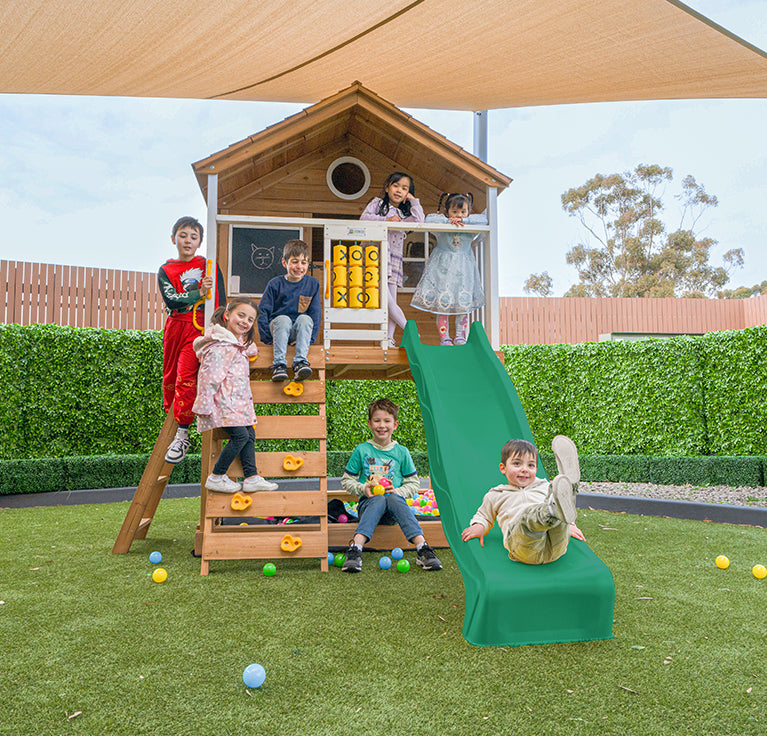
(427, 559)
(353, 561)
(301, 371)
(280, 373)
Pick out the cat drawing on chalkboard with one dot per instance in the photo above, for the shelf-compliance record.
(260, 257)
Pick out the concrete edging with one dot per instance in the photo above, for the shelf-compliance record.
(638, 505)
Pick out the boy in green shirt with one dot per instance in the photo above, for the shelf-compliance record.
(370, 462)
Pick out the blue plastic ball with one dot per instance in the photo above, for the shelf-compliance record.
(397, 554)
(331, 557)
(384, 563)
(254, 675)
(155, 558)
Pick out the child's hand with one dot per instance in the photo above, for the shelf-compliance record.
(368, 489)
(474, 531)
(456, 221)
(577, 533)
(394, 218)
(206, 283)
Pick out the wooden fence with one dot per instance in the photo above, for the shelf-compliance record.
(44, 293)
(536, 320)
(99, 297)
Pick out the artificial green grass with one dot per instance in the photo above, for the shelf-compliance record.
(83, 630)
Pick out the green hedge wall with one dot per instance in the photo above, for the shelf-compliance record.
(682, 396)
(72, 391)
(46, 475)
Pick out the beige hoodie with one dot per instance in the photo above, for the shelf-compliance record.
(508, 503)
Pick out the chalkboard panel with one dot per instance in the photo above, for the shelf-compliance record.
(256, 257)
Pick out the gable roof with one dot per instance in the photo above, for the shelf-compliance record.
(353, 113)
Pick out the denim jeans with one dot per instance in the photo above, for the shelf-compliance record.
(285, 331)
(242, 442)
(389, 509)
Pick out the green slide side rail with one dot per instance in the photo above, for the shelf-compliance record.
(470, 409)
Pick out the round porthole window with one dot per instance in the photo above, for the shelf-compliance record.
(348, 178)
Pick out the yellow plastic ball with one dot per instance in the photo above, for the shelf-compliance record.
(759, 572)
(159, 575)
(722, 562)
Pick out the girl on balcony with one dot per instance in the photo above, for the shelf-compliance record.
(451, 283)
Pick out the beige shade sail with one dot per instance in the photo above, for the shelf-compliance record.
(425, 53)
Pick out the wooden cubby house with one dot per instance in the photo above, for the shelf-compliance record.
(310, 176)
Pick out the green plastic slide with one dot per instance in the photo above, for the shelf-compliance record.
(470, 409)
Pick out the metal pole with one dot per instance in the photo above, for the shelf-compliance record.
(212, 228)
(480, 135)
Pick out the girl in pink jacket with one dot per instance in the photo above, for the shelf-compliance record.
(223, 393)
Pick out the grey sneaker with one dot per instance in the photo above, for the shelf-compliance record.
(562, 494)
(566, 455)
(222, 485)
(177, 449)
(427, 559)
(257, 483)
(302, 371)
(353, 561)
(280, 373)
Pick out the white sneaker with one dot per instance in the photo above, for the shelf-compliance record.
(257, 483)
(177, 449)
(562, 498)
(222, 485)
(566, 455)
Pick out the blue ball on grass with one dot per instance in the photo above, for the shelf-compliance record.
(155, 558)
(254, 675)
(397, 554)
(384, 563)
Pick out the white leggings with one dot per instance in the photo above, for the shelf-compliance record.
(396, 315)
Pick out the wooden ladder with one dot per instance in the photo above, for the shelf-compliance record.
(150, 489)
(217, 541)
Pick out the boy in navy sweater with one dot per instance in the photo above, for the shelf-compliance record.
(290, 313)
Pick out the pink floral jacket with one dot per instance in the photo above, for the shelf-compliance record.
(223, 382)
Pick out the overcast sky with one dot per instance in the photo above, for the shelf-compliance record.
(98, 181)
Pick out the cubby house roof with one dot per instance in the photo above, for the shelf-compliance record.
(351, 121)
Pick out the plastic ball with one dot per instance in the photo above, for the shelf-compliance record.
(254, 675)
(331, 557)
(403, 566)
(759, 572)
(409, 501)
(378, 490)
(340, 559)
(155, 558)
(342, 518)
(384, 563)
(397, 554)
(160, 575)
(269, 569)
(722, 562)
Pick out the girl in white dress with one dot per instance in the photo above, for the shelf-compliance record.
(451, 283)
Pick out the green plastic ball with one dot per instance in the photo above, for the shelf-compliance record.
(270, 569)
(403, 565)
(339, 561)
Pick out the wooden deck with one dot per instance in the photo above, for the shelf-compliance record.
(353, 362)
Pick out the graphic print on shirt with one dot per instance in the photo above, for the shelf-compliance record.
(376, 468)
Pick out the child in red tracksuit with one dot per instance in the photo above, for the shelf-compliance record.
(182, 284)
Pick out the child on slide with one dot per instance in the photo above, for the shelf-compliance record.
(537, 518)
(451, 283)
